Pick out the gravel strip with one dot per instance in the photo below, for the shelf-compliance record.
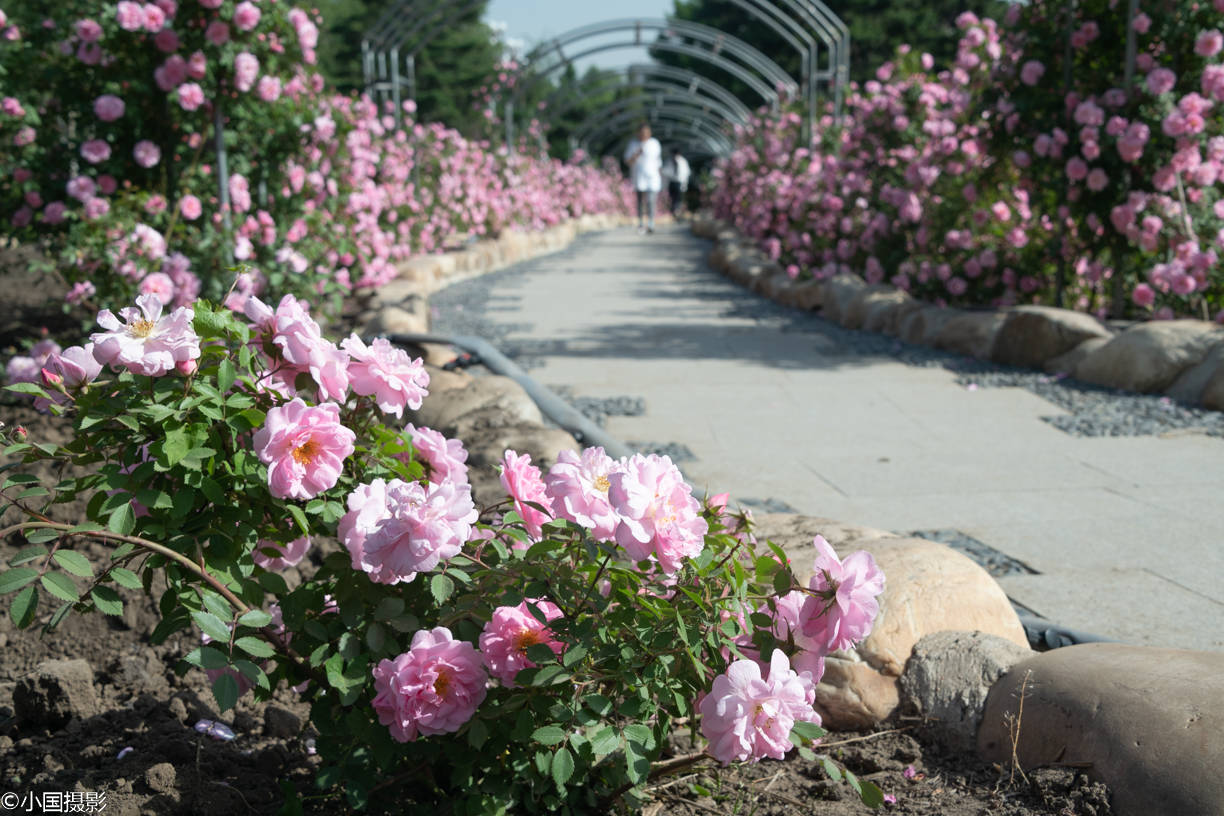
(1091, 411)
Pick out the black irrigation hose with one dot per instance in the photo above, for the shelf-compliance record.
(1043, 634)
(555, 408)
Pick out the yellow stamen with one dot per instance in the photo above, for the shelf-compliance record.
(305, 453)
(140, 328)
(602, 484)
(442, 684)
(527, 637)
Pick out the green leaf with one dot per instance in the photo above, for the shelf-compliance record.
(25, 604)
(783, 581)
(212, 626)
(107, 600)
(60, 586)
(573, 655)
(226, 375)
(605, 741)
(122, 520)
(126, 578)
(830, 768)
(477, 733)
(28, 554)
(256, 619)
(14, 579)
(42, 536)
(562, 767)
(441, 587)
(255, 646)
(541, 654)
(807, 730)
(548, 735)
(854, 783)
(215, 604)
(598, 703)
(225, 691)
(871, 795)
(73, 562)
(299, 517)
(389, 608)
(376, 637)
(641, 735)
(206, 657)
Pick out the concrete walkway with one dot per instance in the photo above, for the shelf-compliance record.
(1124, 536)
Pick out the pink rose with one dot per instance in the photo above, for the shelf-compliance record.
(1097, 180)
(211, 4)
(1209, 43)
(191, 96)
(75, 367)
(748, 717)
(95, 151)
(1144, 296)
(171, 73)
(146, 153)
(246, 69)
(275, 556)
(444, 458)
(154, 19)
(658, 514)
(508, 634)
(387, 374)
(217, 33)
(150, 343)
(396, 529)
(190, 207)
(246, 16)
(131, 16)
(1077, 169)
(841, 607)
(1161, 81)
(304, 448)
(433, 688)
(1141, 23)
(577, 487)
(268, 88)
(108, 107)
(1031, 72)
(522, 481)
(88, 30)
(161, 287)
(301, 346)
(197, 65)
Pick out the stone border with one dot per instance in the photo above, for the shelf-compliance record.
(1181, 358)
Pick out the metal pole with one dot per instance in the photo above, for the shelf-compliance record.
(510, 126)
(412, 88)
(227, 223)
(395, 88)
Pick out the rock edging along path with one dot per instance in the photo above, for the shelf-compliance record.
(1181, 358)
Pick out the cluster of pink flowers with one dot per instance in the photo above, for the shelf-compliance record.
(433, 688)
(304, 448)
(509, 633)
(938, 185)
(749, 715)
(147, 342)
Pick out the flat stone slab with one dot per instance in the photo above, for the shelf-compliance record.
(1149, 723)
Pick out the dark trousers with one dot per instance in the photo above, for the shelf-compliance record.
(676, 194)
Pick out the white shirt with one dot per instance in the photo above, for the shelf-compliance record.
(678, 170)
(647, 170)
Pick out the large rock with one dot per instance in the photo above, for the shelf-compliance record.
(1213, 393)
(493, 394)
(948, 679)
(839, 292)
(1147, 722)
(486, 447)
(920, 326)
(1033, 334)
(894, 319)
(807, 295)
(970, 333)
(1150, 356)
(777, 285)
(1191, 386)
(882, 309)
(855, 312)
(400, 320)
(55, 693)
(1067, 363)
(929, 587)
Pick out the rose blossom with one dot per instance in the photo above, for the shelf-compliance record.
(508, 634)
(444, 457)
(190, 207)
(88, 30)
(1161, 80)
(842, 604)
(246, 69)
(154, 19)
(387, 374)
(1031, 72)
(577, 486)
(159, 286)
(146, 153)
(1209, 43)
(108, 107)
(191, 96)
(658, 514)
(300, 343)
(748, 717)
(396, 529)
(433, 688)
(269, 88)
(217, 33)
(246, 16)
(75, 366)
(1144, 295)
(304, 448)
(131, 16)
(81, 188)
(522, 481)
(150, 343)
(273, 555)
(95, 151)
(1097, 180)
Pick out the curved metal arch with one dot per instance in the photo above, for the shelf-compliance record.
(652, 89)
(697, 120)
(716, 40)
(603, 143)
(641, 75)
(671, 104)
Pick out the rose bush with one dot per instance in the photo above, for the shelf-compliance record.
(537, 653)
(1029, 160)
(111, 118)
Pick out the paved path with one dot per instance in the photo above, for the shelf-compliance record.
(1125, 534)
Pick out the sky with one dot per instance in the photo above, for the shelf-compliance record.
(534, 21)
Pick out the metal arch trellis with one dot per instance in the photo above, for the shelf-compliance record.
(598, 143)
(405, 27)
(615, 125)
(652, 76)
(755, 69)
(652, 90)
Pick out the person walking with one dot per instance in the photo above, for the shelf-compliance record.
(677, 173)
(645, 158)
